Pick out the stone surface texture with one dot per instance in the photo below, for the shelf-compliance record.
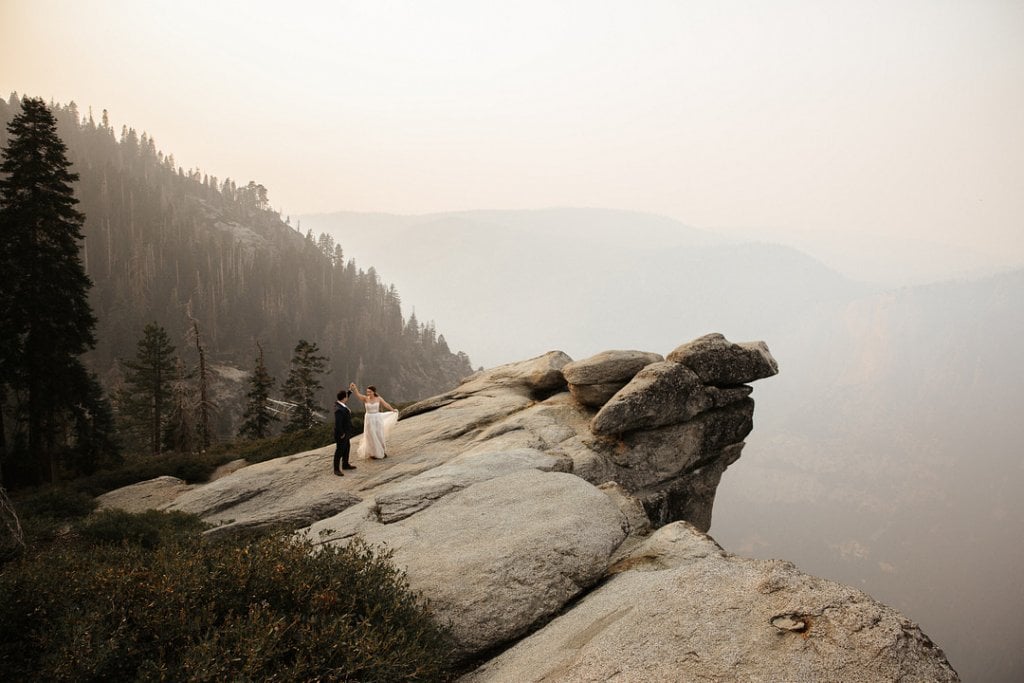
(541, 500)
(679, 608)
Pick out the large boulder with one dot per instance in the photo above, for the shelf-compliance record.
(719, 362)
(592, 381)
(679, 608)
(662, 394)
(536, 377)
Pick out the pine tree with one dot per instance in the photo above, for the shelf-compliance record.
(145, 399)
(205, 405)
(258, 417)
(45, 316)
(182, 429)
(302, 386)
(95, 435)
(157, 240)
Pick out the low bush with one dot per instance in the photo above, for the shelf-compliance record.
(56, 502)
(277, 446)
(146, 529)
(118, 603)
(192, 467)
(47, 513)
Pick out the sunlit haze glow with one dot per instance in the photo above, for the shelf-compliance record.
(686, 153)
(820, 123)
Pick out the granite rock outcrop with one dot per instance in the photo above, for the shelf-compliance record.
(679, 608)
(562, 502)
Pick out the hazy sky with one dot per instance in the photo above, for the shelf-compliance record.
(813, 118)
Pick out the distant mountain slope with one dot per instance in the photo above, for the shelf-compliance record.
(162, 244)
(507, 284)
(888, 455)
(885, 454)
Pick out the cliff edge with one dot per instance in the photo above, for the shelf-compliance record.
(554, 513)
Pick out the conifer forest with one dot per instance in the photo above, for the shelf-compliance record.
(233, 284)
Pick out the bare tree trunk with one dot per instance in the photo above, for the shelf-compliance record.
(12, 539)
(204, 413)
(3, 433)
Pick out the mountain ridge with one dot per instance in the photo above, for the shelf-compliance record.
(594, 264)
(188, 252)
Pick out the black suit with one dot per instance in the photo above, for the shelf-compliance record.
(342, 433)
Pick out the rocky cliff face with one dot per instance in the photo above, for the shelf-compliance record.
(568, 501)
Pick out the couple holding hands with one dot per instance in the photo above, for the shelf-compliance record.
(376, 426)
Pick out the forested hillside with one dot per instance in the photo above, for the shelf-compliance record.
(174, 247)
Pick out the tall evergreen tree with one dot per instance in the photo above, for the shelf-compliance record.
(303, 385)
(181, 427)
(45, 317)
(158, 240)
(96, 444)
(258, 417)
(144, 401)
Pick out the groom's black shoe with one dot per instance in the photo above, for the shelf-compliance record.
(348, 467)
(338, 472)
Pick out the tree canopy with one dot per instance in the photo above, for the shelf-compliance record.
(47, 321)
(145, 399)
(169, 245)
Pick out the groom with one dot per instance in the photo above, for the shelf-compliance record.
(342, 432)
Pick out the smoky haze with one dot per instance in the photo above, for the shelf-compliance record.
(884, 455)
(851, 172)
(820, 122)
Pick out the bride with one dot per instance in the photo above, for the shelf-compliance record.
(376, 425)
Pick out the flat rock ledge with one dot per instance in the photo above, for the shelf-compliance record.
(146, 495)
(679, 608)
(497, 556)
(521, 504)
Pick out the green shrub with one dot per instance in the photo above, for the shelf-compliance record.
(264, 609)
(55, 502)
(146, 529)
(192, 467)
(277, 446)
(46, 514)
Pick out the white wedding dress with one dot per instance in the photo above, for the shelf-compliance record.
(376, 427)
